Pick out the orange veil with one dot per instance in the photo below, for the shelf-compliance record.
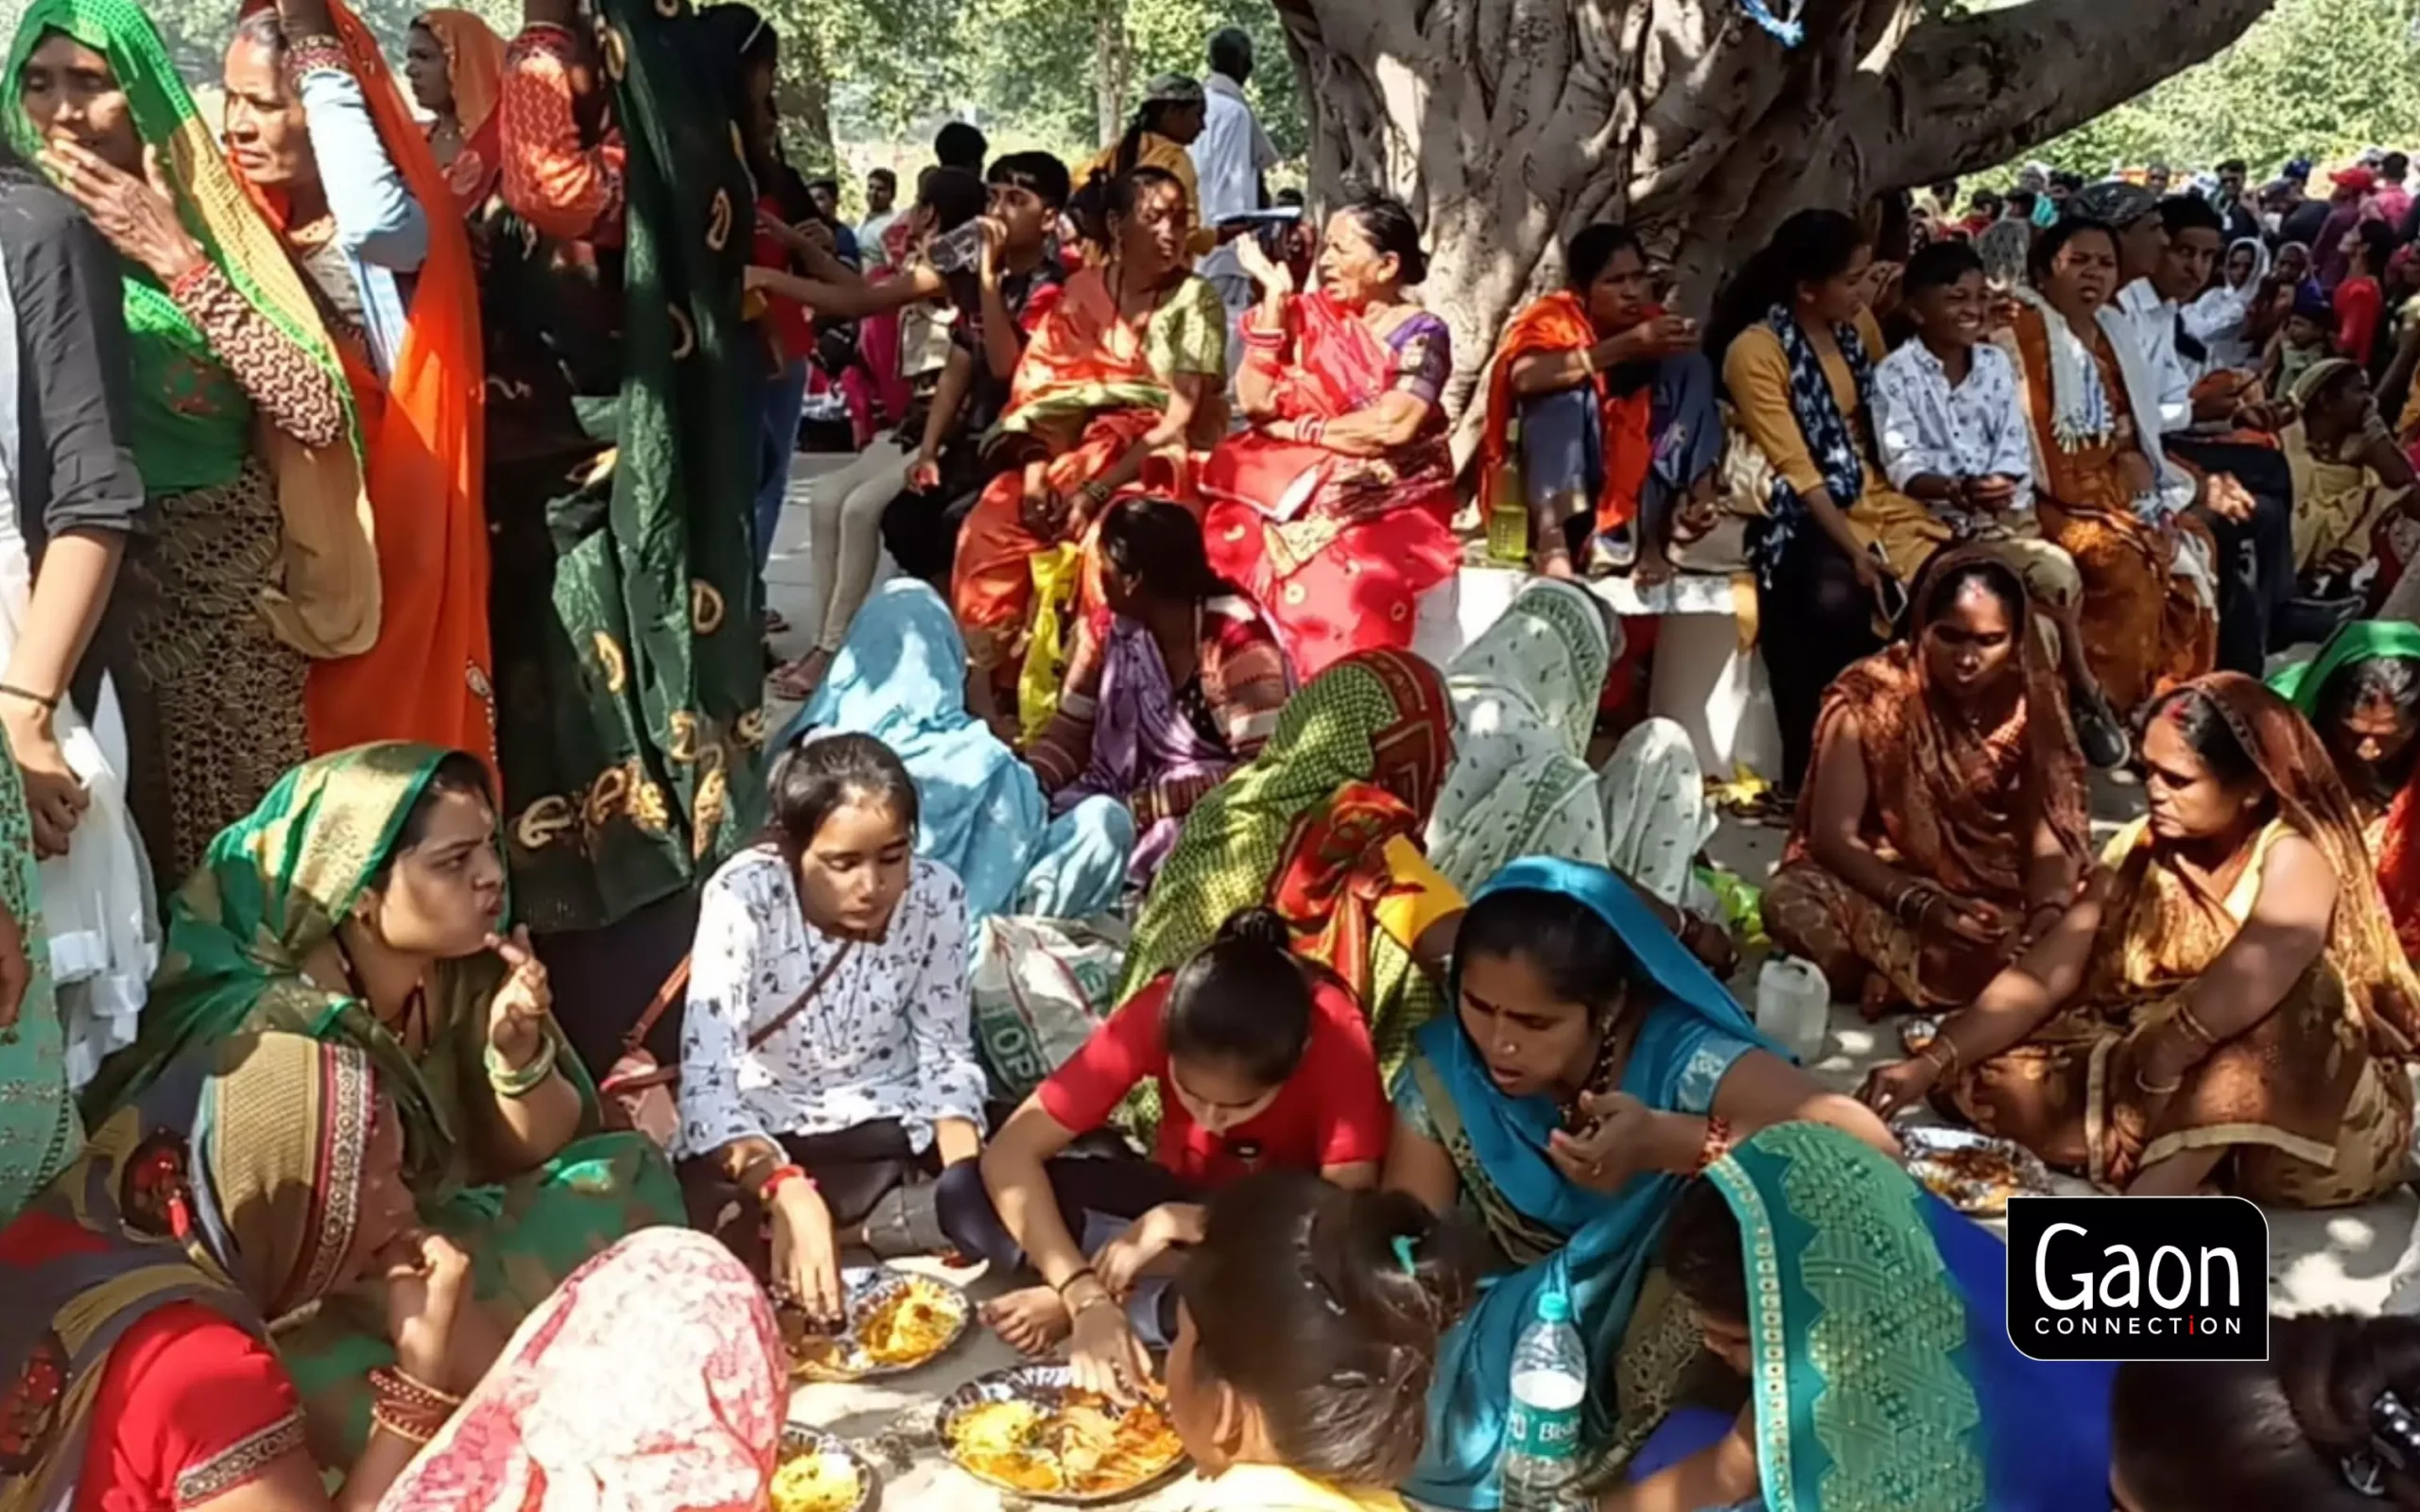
(475, 65)
(429, 677)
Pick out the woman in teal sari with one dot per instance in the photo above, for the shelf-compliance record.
(362, 901)
(1590, 1066)
(39, 1133)
(1933, 1407)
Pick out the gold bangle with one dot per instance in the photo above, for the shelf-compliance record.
(1949, 1059)
(2146, 1088)
(2192, 1026)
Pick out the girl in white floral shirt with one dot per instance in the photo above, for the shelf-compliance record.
(816, 1113)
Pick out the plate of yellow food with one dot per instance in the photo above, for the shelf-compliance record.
(819, 1473)
(898, 1321)
(1028, 1430)
(1973, 1172)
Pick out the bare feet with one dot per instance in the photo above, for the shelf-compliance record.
(1032, 1321)
(796, 681)
(1557, 566)
(1653, 569)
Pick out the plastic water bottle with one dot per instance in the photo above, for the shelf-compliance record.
(1541, 1458)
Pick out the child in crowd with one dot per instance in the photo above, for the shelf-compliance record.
(2330, 1422)
(1307, 1338)
(1259, 1062)
(2301, 341)
(1951, 430)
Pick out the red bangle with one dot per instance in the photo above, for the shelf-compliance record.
(782, 1174)
(1717, 1140)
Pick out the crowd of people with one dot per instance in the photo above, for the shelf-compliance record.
(423, 998)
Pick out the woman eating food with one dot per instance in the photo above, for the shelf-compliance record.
(1334, 510)
(363, 904)
(2227, 1002)
(1944, 823)
(1261, 1062)
(1590, 1063)
(1307, 1327)
(827, 1057)
(1938, 1388)
(267, 1173)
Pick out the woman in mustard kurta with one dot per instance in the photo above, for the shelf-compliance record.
(1798, 346)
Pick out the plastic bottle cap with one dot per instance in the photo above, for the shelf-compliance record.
(1554, 1307)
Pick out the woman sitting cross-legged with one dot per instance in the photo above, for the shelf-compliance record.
(1589, 1065)
(1945, 824)
(266, 1174)
(362, 903)
(827, 1058)
(1307, 1339)
(1335, 511)
(1261, 1062)
(1181, 685)
(1934, 1394)
(1615, 410)
(2227, 1002)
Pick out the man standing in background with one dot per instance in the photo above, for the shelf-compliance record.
(1229, 160)
(882, 196)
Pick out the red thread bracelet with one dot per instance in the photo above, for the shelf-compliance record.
(1717, 1140)
(773, 1184)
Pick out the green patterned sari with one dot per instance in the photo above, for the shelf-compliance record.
(271, 894)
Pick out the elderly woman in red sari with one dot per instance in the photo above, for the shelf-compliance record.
(1334, 510)
(1122, 383)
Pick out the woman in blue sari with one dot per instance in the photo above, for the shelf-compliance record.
(901, 677)
(1591, 1066)
(1933, 1406)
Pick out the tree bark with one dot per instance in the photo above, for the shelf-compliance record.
(803, 94)
(1509, 124)
(1113, 61)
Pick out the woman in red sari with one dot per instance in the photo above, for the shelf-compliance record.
(1122, 383)
(454, 62)
(1335, 511)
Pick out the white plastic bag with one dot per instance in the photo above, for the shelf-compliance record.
(1040, 988)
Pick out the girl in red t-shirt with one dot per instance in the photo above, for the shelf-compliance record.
(1260, 1061)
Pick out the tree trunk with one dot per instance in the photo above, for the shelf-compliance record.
(802, 93)
(1112, 63)
(1509, 124)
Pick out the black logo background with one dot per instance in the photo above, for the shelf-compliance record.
(2142, 1224)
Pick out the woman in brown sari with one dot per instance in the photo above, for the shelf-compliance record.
(1943, 826)
(2227, 1004)
(2109, 496)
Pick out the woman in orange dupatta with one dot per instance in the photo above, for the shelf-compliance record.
(454, 62)
(1124, 380)
(1335, 511)
(2110, 499)
(319, 136)
(1614, 410)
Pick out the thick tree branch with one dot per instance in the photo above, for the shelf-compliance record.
(1966, 94)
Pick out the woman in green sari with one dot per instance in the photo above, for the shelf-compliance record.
(362, 901)
(2362, 693)
(261, 556)
(622, 463)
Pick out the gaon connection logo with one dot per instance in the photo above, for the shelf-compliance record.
(2138, 1279)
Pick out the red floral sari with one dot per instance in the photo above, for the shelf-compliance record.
(1338, 549)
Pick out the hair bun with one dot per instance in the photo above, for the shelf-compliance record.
(1257, 926)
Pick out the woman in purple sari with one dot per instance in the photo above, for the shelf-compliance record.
(1179, 682)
